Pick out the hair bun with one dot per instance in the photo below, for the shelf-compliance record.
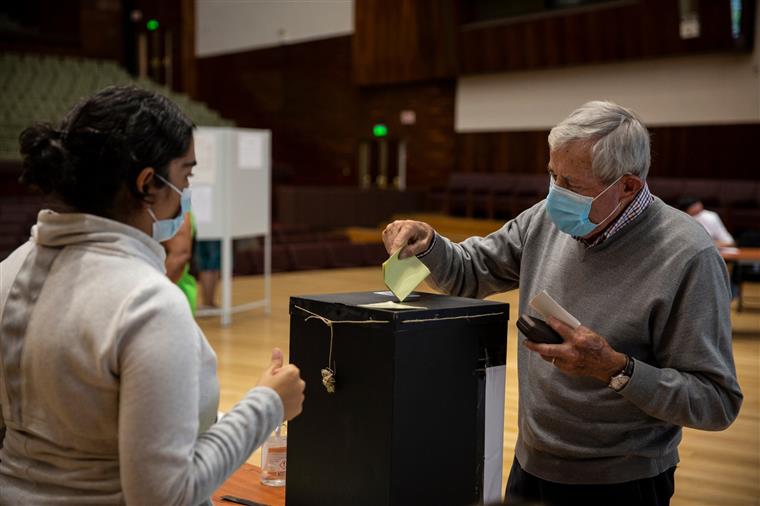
(44, 157)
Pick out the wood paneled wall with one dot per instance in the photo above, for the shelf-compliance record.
(176, 20)
(84, 28)
(431, 141)
(712, 152)
(404, 40)
(305, 94)
(502, 152)
(408, 40)
(321, 98)
(617, 31)
(104, 29)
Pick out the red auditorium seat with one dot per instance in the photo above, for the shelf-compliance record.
(374, 254)
(242, 263)
(708, 191)
(309, 256)
(668, 189)
(280, 258)
(345, 254)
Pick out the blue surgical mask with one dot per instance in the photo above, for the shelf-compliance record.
(163, 230)
(570, 211)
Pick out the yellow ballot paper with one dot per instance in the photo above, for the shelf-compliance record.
(403, 276)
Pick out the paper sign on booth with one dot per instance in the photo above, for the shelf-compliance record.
(250, 151)
(203, 203)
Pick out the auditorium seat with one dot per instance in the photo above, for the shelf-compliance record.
(435, 200)
(345, 254)
(305, 256)
(740, 205)
(668, 189)
(281, 258)
(38, 88)
(457, 194)
(243, 263)
(479, 201)
(529, 189)
(488, 195)
(505, 195)
(304, 249)
(374, 254)
(502, 191)
(707, 190)
(333, 237)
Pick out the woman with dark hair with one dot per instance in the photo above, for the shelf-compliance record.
(108, 388)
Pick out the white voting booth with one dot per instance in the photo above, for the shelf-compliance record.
(231, 191)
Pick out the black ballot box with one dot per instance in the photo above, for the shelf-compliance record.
(417, 412)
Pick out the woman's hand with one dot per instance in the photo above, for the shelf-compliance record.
(286, 381)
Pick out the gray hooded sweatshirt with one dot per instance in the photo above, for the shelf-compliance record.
(108, 387)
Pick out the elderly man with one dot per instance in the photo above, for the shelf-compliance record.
(600, 415)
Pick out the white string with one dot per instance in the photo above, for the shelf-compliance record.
(330, 323)
(463, 317)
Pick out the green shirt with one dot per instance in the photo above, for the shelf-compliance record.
(187, 282)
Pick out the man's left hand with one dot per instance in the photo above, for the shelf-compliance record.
(584, 352)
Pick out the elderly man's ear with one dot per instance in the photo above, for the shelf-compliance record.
(631, 185)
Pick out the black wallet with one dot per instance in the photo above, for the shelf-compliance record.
(538, 330)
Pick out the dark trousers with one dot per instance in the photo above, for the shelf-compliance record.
(524, 489)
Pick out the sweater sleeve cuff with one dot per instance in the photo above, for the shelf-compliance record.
(273, 399)
(643, 384)
(434, 259)
(429, 248)
(435, 253)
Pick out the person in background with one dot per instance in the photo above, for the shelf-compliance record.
(208, 254)
(708, 219)
(600, 415)
(108, 387)
(179, 256)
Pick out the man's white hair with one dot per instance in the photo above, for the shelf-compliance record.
(619, 140)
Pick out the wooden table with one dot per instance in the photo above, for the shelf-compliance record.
(743, 255)
(246, 484)
(739, 257)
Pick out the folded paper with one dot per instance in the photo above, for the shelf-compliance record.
(546, 306)
(402, 276)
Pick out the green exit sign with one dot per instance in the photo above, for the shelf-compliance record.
(380, 130)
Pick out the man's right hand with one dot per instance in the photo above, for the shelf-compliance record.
(286, 381)
(415, 234)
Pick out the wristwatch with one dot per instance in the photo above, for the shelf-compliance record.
(622, 378)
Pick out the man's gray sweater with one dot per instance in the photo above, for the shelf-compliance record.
(658, 291)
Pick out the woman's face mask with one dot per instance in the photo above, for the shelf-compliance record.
(570, 211)
(163, 230)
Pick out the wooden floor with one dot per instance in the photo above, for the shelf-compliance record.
(717, 468)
